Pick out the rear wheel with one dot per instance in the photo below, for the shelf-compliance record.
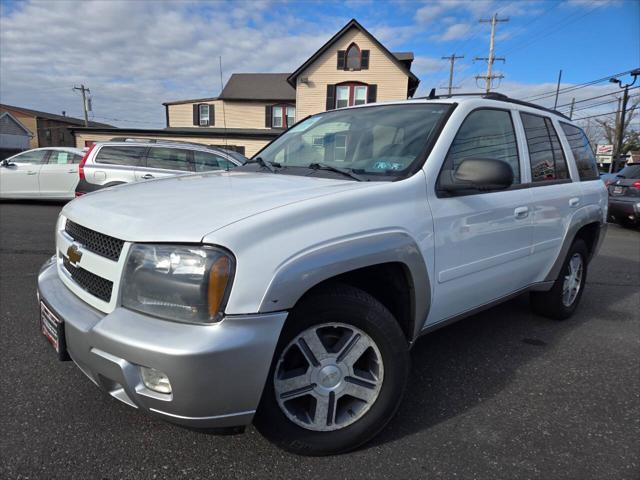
(562, 300)
(338, 374)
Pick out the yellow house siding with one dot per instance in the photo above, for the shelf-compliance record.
(238, 114)
(251, 145)
(392, 82)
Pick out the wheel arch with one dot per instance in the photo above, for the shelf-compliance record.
(587, 224)
(387, 265)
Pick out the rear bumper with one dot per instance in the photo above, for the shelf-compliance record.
(624, 210)
(217, 372)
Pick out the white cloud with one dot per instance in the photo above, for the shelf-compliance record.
(136, 55)
(457, 31)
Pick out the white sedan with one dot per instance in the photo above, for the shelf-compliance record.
(42, 173)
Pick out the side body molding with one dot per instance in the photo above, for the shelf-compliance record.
(584, 216)
(308, 268)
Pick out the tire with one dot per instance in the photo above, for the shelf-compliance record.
(345, 320)
(553, 303)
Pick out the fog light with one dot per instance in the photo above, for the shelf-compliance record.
(155, 380)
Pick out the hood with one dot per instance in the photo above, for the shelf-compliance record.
(186, 208)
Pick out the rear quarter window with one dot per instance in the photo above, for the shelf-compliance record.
(582, 152)
(130, 156)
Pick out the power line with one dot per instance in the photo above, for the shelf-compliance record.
(551, 93)
(593, 98)
(603, 114)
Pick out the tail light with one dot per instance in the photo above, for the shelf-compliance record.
(636, 185)
(607, 183)
(83, 161)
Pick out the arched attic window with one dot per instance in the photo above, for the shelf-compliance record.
(353, 57)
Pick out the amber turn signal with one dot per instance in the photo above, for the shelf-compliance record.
(218, 280)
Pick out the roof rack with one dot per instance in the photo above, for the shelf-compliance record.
(160, 140)
(493, 96)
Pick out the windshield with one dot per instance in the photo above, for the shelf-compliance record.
(378, 142)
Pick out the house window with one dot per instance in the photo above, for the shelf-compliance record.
(353, 57)
(291, 116)
(277, 117)
(283, 116)
(350, 94)
(204, 114)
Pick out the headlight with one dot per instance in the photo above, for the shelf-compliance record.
(178, 282)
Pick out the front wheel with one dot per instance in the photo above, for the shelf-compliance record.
(338, 374)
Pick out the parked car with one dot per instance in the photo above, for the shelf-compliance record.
(624, 197)
(608, 178)
(42, 173)
(288, 292)
(107, 164)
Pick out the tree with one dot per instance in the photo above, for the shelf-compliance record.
(630, 137)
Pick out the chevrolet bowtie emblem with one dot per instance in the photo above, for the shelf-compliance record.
(74, 254)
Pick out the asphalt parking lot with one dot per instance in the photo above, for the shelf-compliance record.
(501, 395)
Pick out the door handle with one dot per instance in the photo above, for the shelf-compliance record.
(574, 202)
(521, 212)
(72, 171)
(31, 172)
(148, 176)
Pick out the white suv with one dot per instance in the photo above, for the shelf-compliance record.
(288, 292)
(119, 161)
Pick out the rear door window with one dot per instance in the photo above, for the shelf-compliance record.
(169, 159)
(59, 157)
(545, 153)
(120, 155)
(582, 152)
(485, 133)
(205, 161)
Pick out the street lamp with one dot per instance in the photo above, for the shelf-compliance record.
(625, 97)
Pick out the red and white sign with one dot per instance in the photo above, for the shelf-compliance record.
(604, 150)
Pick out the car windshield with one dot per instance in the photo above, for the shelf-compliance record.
(376, 143)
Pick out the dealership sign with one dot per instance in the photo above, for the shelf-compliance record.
(604, 150)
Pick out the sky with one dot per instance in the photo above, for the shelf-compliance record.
(134, 55)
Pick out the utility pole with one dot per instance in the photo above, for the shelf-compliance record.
(452, 60)
(623, 110)
(573, 102)
(84, 102)
(555, 104)
(491, 58)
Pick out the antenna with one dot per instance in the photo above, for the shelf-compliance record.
(224, 116)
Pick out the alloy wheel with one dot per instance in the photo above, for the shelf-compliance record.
(328, 376)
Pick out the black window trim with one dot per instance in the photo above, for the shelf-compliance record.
(575, 162)
(556, 181)
(440, 193)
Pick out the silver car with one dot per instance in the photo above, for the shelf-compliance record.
(111, 163)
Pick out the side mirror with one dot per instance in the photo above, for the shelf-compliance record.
(480, 174)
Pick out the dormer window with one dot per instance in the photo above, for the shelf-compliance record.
(353, 58)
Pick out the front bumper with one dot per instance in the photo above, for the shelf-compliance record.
(217, 372)
(624, 210)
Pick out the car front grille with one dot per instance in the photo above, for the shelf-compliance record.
(97, 286)
(95, 242)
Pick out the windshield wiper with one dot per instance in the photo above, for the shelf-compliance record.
(266, 164)
(331, 168)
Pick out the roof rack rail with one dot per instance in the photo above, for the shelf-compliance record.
(160, 140)
(493, 96)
